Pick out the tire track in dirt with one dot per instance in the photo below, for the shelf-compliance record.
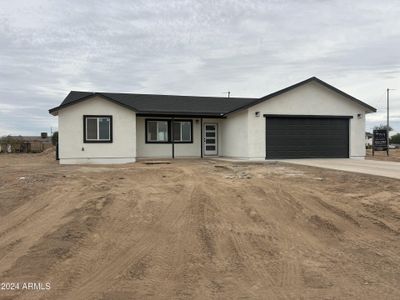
(200, 251)
(318, 197)
(228, 236)
(122, 213)
(308, 212)
(88, 288)
(304, 211)
(252, 273)
(80, 231)
(45, 245)
(51, 246)
(30, 218)
(341, 213)
(283, 205)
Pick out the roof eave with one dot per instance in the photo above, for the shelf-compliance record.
(370, 108)
(180, 114)
(344, 94)
(54, 111)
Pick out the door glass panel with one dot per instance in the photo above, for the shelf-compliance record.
(210, 134)
(210, 147)
(210, 127)
(210, 141)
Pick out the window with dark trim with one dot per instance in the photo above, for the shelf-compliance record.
(97, 129)
(162, 130)
(157, 131)
(182, 131)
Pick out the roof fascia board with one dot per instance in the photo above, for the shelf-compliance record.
(306, 116)
(289, 88)
(179, 114)
(369, 107)
(55, 110)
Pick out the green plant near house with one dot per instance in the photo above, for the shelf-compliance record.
(54, 138)
(395, 139)
(14, 141)
(382, 127)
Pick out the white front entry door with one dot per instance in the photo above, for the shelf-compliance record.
(210, 141)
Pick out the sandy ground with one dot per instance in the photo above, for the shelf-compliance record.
(197, 230)
(394, 155)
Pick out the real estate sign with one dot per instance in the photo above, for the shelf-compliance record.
(380, 140)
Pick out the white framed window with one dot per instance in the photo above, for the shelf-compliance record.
(97, 129)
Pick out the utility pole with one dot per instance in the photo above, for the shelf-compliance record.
(387, 117)
(387, 121)
(228, 93)
(387, 110)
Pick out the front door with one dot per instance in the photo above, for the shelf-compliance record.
(210, 139)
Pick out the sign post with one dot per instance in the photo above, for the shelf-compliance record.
(380, 141)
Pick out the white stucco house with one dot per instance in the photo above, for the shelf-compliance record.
(310, 119)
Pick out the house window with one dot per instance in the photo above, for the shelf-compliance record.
(182, 131)
(97, 129)
(161, 131)
(157, 131)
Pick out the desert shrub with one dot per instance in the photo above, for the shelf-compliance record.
(54, 138)
(395, 139)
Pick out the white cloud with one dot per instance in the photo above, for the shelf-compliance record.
(251, 48)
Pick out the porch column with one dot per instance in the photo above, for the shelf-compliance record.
(172, 138)
(201, 137)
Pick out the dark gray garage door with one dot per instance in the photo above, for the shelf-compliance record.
(307, 137)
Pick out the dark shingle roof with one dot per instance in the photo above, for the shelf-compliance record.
(190, 105)
(164, 104)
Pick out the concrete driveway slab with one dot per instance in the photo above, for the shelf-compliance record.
(371, 167)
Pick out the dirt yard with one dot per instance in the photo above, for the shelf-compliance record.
(197, 230)
(394, 155)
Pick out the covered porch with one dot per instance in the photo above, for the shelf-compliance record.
(178, 136)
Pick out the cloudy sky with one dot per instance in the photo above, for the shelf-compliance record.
(248, 47)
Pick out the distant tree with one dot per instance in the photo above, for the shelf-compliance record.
(14, 141)
(395, 139)
(54, 138)
(382, 127)
(11, 140)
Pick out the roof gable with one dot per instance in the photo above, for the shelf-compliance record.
(194, 105)
(312, 79)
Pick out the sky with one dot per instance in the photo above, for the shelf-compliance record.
(248, 47)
